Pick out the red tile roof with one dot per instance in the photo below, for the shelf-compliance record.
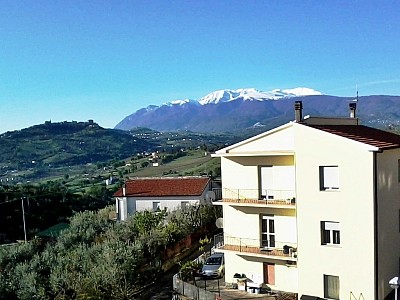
(371, 136)
(164, 187)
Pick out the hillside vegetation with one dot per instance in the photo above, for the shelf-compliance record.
(43, 205)
(83, 153)
(193, 163)
(52, 145)
(97, 258)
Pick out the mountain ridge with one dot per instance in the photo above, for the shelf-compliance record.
(232, 110)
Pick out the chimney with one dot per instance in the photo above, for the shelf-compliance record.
(124, 190)
(353, 106)
(298, 111)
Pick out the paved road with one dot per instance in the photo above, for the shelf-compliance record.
(218, 287)
(162, 288)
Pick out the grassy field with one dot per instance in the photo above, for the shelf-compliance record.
(82, 179)
(195, 163)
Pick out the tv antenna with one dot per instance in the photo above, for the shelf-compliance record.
(356, 93)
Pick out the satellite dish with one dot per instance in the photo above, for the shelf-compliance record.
(219, 223)
(210, 196)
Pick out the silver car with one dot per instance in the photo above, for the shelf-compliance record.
(214, 266)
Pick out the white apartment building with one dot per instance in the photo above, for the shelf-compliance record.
(312, 207)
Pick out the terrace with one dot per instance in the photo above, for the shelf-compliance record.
(250, 197)
(280, 250)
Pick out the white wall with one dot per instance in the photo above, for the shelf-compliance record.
(244, 222)
(170, 203)
(121, 208)
(243, 172)
(278, 139)
(388, 219)
(351, 205)
(285, 277)
(128, 205)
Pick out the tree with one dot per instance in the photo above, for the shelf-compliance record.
(203, 245)
(96, 258)
(189, 270)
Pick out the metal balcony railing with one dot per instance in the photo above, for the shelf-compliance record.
(266, 196)
(280, 249)
(217, 193)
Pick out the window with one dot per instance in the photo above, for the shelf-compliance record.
(156, 206)
(330, 233)
(267, 232)
(328, 178)
(184, 204)
(331, 287)
(266, 182)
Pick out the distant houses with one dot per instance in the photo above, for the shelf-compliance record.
(158, 193)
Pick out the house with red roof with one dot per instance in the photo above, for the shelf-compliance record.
(313, 208)
(158, 193)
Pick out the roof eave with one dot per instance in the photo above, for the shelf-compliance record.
(257, 153)
(224, 151)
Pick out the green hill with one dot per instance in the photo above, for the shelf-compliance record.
(80, 153)
(52, 145)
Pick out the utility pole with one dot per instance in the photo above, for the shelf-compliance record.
(23, 216)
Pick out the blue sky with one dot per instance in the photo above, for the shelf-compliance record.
(103, 60)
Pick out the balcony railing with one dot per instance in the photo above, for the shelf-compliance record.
(217, 193)
(266, 196)
(284, 250)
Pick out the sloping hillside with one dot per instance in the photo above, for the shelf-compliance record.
(67, 143)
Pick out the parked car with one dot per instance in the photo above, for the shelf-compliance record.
(214, 266)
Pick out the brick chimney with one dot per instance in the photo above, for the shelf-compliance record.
(298, 111)
(353, 106)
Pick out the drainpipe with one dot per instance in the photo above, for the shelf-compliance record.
(375, 191)
(298, 111)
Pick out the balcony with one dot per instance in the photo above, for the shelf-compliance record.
(246, 197)
(252, 247)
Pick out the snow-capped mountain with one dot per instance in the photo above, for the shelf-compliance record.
(191, 114)
(253, 94)
(230, 110)
(181, 102)
(302, 91)
(246, 94)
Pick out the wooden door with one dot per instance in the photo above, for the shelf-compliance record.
(269, 273)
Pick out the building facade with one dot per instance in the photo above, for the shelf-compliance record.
(312, 207)
(158, 193)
